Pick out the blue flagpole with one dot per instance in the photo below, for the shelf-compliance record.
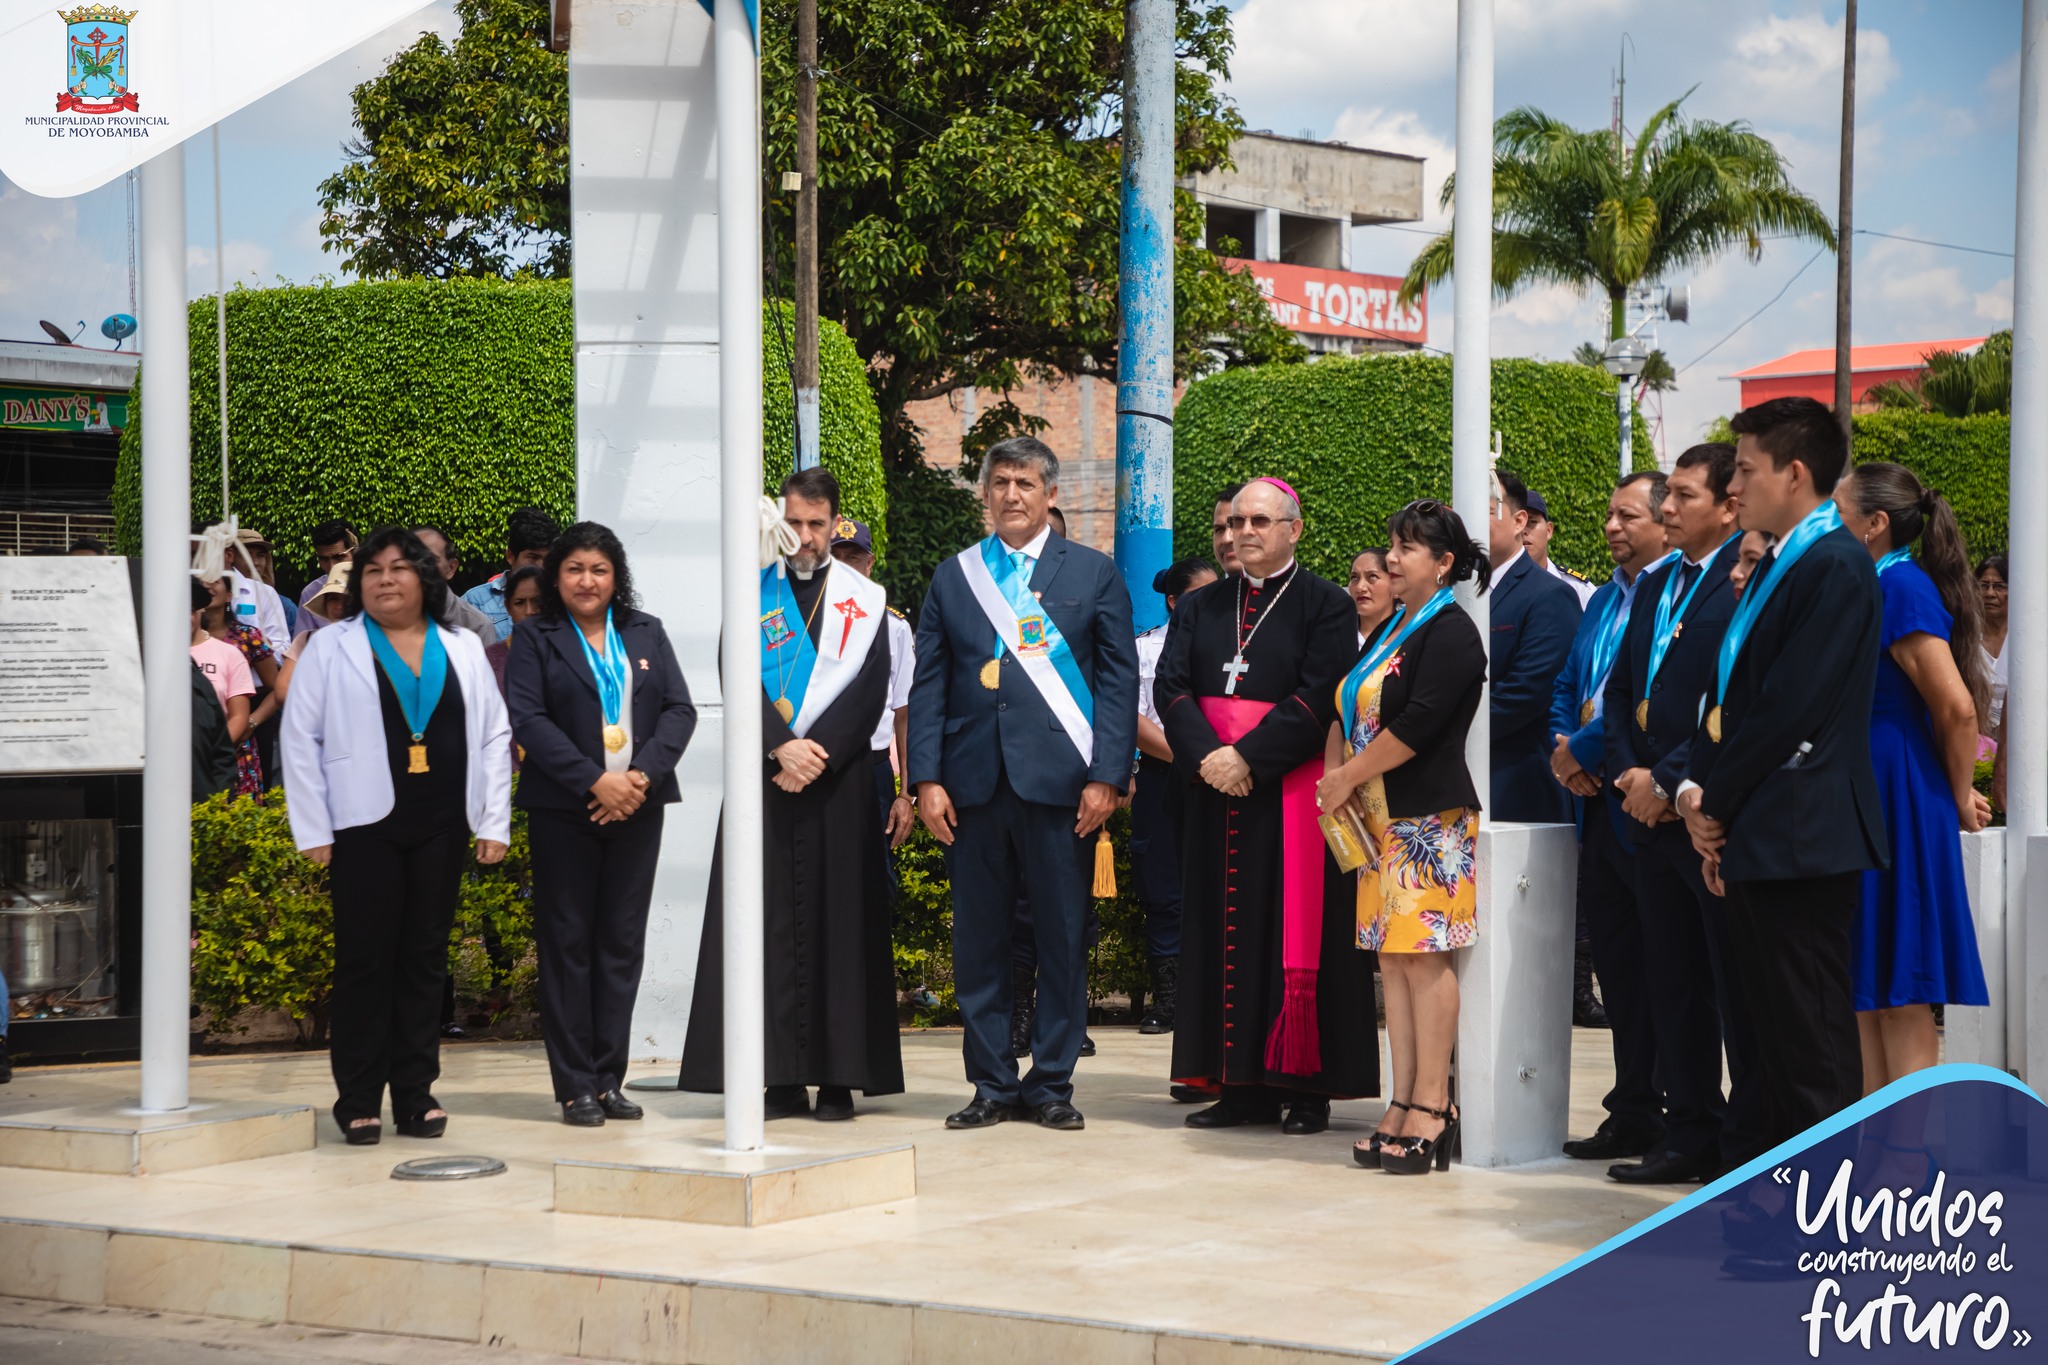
(1144, 387)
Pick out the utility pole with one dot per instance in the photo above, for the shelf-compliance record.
(1844, 228)
(807, 234)
(1144, 353)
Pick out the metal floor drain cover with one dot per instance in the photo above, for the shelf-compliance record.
(653, 1083)
(448, 1168)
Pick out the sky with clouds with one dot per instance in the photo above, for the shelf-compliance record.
(1936, 148)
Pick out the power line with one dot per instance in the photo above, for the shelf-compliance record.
(1753, 316)
(1922, 241)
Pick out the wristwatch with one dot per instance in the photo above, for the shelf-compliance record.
(1658, 791)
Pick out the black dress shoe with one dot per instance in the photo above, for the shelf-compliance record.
(1194, 1094)
(1307, 1116)
(1230, 1113)
(1057, 1114)
(980, 1113)
(785, 1102)
(583, 1112)
(835, 1104)
(1610, 1142)
(617, 1106)
(1087, 1046)
(1666, 1168)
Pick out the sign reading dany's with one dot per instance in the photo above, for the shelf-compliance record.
(70, 667)
(62, 409)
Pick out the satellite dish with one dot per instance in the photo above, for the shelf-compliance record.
(1678, 303)
(56, 333)
(118, 329)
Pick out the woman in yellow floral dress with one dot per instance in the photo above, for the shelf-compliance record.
(1398, 748)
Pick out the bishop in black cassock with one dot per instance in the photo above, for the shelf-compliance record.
(1273, 1019)
(831, 991)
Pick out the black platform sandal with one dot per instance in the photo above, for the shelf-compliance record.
(1367, 1153)
(1413, 1155)
(362, 1132)
(420, 1126)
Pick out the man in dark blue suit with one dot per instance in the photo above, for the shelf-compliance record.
(1583, 731)
(1656, 696)
(1533, 619)
(1023, 727)
(1779, 796)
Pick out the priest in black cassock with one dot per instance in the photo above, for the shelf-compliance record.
(1276, 1000)
(831, 991)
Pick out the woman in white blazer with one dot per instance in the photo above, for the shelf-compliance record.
(396, 750)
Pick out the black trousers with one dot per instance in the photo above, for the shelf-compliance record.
(1155, 854)
(1690, 1009)
(394, 886)
(997, 847)
(1788, 942)
(1607, 904)
(885, 797)
(591, 888)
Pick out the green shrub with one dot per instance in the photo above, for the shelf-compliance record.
(931, 517)
(451, 402)
(849, 423)
(1967, 458)
(1359, 437)
(263, 925)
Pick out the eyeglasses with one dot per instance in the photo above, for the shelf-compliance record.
(1992, 585)
(1257, 523)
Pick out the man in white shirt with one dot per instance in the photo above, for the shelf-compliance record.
(853, 545)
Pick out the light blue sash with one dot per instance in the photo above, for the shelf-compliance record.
(1898, 556)
(787, 654)
(1811, 527)
(1396, 635)
(1037, 636)
(609, 669)
(418, 694)
(1671, 610)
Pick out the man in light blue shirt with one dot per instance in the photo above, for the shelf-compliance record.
(528, 534)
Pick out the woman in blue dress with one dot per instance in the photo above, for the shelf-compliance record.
(1915, 946)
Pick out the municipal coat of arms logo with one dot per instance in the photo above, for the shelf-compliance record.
(96, 61)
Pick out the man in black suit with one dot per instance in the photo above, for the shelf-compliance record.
(1779, 796)
(1654, 702)
(1023, 721)
(1533, 619)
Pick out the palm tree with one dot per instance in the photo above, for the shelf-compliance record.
(1955, 383)
(1581, 209)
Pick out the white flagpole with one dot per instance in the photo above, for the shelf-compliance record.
(739, 439)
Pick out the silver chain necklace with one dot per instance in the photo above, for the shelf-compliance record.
(1237, 667)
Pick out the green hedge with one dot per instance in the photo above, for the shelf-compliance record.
(1360, 437)
(443, 401)
(849, 423)
(1967, 458)
(263, 926)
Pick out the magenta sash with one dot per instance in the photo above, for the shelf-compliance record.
(1294, 1047)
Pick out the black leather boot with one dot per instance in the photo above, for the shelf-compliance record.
(1165, 995)
(1023, 1005)
(1587, 1011)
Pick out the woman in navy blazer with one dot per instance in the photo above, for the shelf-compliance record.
(600, 707)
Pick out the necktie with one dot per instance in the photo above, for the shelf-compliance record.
(1687, 574)
(1022, 561)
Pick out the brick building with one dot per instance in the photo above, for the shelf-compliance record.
(1288, 206)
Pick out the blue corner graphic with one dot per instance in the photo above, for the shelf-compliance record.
(1913, 1224)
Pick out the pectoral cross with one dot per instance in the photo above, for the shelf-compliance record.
(1236, 668)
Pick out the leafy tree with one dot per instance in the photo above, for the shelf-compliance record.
(460, 163)
(969, 194)
(1956, 383)
(1581, 209)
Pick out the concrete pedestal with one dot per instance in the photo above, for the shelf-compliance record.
(1975, 1034)
(96, 1140)
(738, 1190)
(1515, 1017)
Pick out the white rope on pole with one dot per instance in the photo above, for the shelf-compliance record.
(220, 321)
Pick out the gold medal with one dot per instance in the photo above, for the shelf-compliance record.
(1586, 712)
(1714, 725)
(1643, 715)
(614, 738)
(416, 757)
(992, 674)
(785, 710)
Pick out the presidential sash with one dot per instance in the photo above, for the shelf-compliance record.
(808, 678)
(1028, 633)
(1750, 605)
